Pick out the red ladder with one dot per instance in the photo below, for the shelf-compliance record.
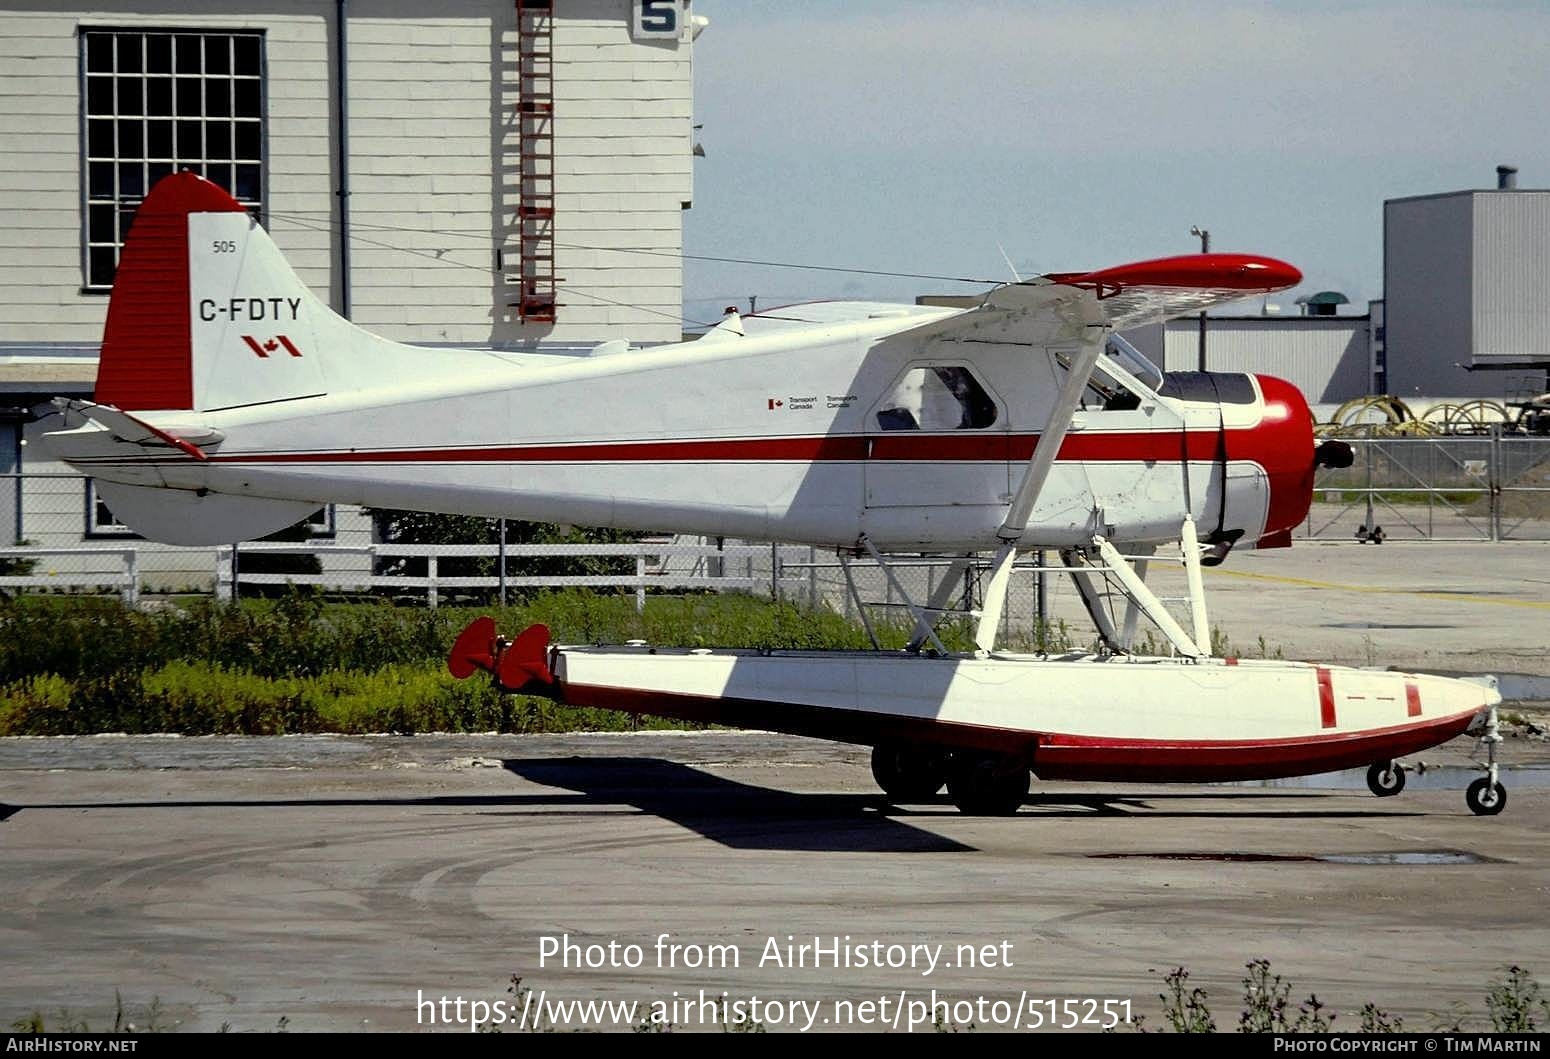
(535, 139)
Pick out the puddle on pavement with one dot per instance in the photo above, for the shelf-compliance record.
(1433, 778)
(1380, 625)
(1430, 857)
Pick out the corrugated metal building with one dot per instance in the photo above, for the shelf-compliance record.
(1466, 279)
(1327, 357)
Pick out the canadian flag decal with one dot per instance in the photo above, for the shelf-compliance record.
(775, 403)
(263, 349)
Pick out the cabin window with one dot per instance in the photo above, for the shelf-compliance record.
(155, 102)
(937, 398)
(1104, 392)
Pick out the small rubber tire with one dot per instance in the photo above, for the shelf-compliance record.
(1385, 779)
(1483, 800)
(987, 784)
(909, 772)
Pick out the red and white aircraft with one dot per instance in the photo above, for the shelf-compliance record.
(231, 402)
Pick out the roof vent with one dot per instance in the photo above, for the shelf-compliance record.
(1506, 177)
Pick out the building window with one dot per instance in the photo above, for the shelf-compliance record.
(936, 398)
(155, 102)
(101, 522)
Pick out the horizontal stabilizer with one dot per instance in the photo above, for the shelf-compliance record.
(123, 427)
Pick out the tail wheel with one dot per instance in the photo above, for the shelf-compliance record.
(1386, 779)
(987, 784)
(1485, 798)
(909, 772)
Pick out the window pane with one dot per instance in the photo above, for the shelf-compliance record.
(249, 140)
(99, 139)
(100, 264)
(129, 45)
(100, 180)
(188, 98)
(158, 54)
(246, 55)
(217, 139)
(218, 55)
(156, 103)
(100, 228)
(190, 142)
(131, 139)
(99, 95)
(158, 97)
(218, 98)
(131, 180)
(99, 53)
(129, 95)
(938, 398)
(188, 49)
(249, 183)
(158, 139)
(246, 103)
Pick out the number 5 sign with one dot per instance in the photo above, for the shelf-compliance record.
(657, 19)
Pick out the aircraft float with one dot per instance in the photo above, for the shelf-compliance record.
(231, 402)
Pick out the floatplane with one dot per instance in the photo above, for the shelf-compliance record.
(231, 402)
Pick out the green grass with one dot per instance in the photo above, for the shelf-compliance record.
(1398, 497)
(75, 666)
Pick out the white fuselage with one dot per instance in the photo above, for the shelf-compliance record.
(779, 434)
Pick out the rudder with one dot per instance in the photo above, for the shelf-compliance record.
(206, 312)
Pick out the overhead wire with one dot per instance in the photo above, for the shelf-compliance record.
(482, 235)
(441, 260)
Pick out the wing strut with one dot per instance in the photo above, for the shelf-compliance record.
(1034, 477)
(1050, 440)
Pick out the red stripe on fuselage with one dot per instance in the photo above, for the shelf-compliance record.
(1131, 446)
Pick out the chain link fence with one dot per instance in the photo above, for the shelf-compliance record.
(1482, 488)
(1486, 488)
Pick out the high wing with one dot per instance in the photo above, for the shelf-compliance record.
(1063, 306)
(1149, 291)
(1080, 310)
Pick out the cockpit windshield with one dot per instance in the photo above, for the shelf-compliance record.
(1132, 360)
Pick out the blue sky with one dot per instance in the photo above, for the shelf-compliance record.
(915, 136)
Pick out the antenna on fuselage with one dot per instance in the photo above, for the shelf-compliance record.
(1009, 266)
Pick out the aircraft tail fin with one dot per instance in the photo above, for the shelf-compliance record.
(207, 314)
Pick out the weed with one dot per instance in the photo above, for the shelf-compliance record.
(1515, 1002)
(940, 1023)
(1264, 1000)
(1376, 1020)
(1185, 1012)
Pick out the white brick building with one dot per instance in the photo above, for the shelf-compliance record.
(482, 150)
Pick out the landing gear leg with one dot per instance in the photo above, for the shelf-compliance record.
(1386, 779)
(909, 772)
(987, 784)
(1486, 796)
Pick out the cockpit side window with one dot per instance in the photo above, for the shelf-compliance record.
(1105, 392)
(937, 398)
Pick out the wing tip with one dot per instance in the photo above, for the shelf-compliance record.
(1250, 273)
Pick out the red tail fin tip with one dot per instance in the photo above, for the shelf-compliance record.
(147, 345)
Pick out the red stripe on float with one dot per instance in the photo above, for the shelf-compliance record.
(1412, 699)
(1326, 697)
